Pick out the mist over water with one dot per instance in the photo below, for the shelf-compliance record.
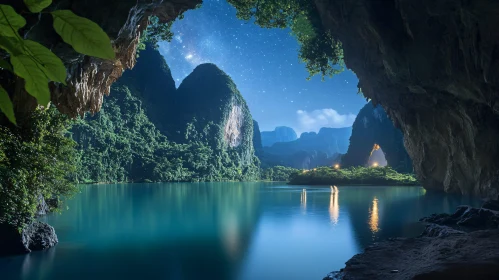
(222, 230)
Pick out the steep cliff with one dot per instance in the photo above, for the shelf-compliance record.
(208, 96)
(372, 126)
(257, 138)
(152, 79)
(279, 134)
(122, 142)
(433, 66)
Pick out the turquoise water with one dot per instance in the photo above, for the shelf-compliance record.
(242, 231)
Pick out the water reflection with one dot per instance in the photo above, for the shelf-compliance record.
(223, 231)
(374, 216)
(334, 207)
(303, 200)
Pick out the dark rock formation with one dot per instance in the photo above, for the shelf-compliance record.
(467, 217)
(42, 208)
(208, 95)
(152, 80)
(89, 79)
(372, 126)
(433, 66)
(257, 138)
(455, 256)
(464, 245)
(279, 134)
(35, 236)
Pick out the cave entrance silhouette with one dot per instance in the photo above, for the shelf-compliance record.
(376, 157)
(375, 136)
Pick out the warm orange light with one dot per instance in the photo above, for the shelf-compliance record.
(336, 166)
(375, 164)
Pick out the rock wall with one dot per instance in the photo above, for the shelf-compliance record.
(89, 79)
(372, 126)
(432, 65)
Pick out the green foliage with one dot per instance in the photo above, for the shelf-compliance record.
(84, 35)
(35, 159)
(278, 173)
(6, 105)
(36, 6)
(352, 176)
(120, 144)
(321, 53)
(36, 64)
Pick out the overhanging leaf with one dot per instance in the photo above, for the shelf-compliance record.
(36, 80)
(84, 35)
(12, 45)
(52, 66)
(10, 21)
(36, 6)
(6, 105)
(5, 65)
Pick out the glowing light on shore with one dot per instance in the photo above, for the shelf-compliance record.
(336, 166)
(375, 164)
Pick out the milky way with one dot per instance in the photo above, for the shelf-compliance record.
(264, 65)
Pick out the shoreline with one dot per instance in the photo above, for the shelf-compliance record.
(463, 245)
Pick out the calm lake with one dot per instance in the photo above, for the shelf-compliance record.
(241, 231)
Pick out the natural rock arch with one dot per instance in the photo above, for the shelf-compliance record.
(432, 65)
(373, 127)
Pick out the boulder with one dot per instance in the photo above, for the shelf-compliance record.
(34, 237)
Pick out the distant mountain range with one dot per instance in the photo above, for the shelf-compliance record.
(279, 134)
(310, 150)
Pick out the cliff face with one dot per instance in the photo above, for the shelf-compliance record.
(433, 66)
(89, 79)
(257, 139)
(372, 126)
(152, 79)
(279, 134)
(209, 97)
(214, 143)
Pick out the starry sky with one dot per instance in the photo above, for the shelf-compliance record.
(264, 65)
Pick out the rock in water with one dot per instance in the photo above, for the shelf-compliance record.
(39, 236)
(34, 237)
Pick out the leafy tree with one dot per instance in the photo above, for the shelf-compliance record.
(278, 173)
(35, 160)
(321, 53)
(352, 176)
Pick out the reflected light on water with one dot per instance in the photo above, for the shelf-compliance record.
(304, 199)
(334, 207)
(231, 236)
(374, 216)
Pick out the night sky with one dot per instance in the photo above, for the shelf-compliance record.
(264, 65)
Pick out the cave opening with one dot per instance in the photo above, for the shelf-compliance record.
(377, 157)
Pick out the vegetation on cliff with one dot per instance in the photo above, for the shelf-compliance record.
(208, 140)
(36, 158)
(321, 53)
(353, 176)
(121, 144)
